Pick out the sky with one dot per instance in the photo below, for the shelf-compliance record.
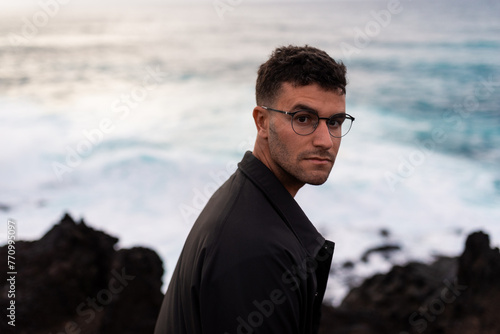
(37, 3)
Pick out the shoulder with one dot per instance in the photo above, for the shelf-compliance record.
(251, 222)
(240, 224)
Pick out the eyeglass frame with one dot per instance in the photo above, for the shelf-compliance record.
(319, 119)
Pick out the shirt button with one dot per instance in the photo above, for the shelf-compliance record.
(316, 294)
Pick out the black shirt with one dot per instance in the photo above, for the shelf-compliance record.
(252, 263)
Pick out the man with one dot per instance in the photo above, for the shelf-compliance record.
(253, 262)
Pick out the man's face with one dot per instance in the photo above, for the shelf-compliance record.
(295, 159)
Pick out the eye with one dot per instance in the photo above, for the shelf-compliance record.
(336, 121)
(305, 118)
(333, 123)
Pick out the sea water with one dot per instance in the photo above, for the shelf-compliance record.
(130, 116)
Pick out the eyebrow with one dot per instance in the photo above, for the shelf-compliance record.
(301, 106)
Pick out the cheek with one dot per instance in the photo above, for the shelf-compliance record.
(285, 144)
(280, 147)
(336, 144)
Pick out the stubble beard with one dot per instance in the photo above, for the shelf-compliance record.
(291, 168)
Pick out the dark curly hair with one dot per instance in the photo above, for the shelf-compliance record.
(300, 66)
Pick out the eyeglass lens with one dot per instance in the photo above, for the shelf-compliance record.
(304, 123)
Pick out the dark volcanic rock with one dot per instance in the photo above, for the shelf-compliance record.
(73, 280)
(449, 296)
(143, 297)
(385, 250)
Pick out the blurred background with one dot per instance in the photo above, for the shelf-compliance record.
(129, 114)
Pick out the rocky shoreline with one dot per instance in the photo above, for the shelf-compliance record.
(74, 280)
(451, 295)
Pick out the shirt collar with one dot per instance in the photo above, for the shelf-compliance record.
(284, 204)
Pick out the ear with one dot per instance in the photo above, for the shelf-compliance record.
(261, 118)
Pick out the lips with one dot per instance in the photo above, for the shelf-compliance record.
(319, 160)
(317, 157)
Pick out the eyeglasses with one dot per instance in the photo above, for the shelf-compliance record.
(305, 122)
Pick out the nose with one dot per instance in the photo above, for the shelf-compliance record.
(322, 137)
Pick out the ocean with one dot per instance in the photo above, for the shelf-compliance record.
(130, 116)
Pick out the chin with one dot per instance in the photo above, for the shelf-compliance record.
(317, 181)
(317, 178)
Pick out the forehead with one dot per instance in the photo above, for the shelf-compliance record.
(323, 101)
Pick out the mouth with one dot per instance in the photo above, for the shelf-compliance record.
(319, 160)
